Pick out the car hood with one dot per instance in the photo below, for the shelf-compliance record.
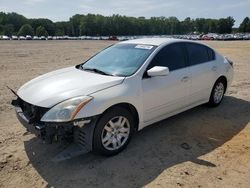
(57, 86)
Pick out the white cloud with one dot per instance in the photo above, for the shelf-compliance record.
(33, 2)
(235, 6)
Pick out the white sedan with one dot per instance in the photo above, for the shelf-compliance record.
(100, 103)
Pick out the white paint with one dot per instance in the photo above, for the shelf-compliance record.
(154, 98)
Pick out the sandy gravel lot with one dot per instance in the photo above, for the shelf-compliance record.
(219, 138)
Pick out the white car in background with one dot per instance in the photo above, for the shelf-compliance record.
(99, 104)
(28, 37)
(14, 37)
(36, 38)
(42, 38)
(22, 38)
(4, 37)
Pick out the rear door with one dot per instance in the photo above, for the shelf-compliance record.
(163, 95)
(203, 69)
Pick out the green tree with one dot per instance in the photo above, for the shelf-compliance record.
(245, 25)
(75, 24)
(8, 30)
(41, 31)
(92, 24)
(187, 26)
(13, 19)
(62, 28)
(1, 29)
(46, 23)
(26, 29)
(82, 28)
(225, 25)
(212, 24)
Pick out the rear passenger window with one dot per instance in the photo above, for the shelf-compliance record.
(211, 55)
(171, 56)
(197, 53)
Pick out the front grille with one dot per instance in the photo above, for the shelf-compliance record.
(32, 113)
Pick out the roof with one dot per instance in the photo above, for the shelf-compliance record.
(152, 41)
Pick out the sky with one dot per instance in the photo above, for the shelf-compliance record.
(62, 10)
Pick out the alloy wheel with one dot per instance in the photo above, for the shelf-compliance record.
(115, 133)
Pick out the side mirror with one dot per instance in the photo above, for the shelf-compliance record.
(158, 71)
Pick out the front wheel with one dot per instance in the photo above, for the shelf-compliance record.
(217, 93)
(113, 131)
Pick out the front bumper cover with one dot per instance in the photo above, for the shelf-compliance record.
(37, 129)
(79, 131)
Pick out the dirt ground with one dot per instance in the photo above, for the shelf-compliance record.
(219, 138)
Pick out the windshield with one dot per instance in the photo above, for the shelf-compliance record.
(119, 60)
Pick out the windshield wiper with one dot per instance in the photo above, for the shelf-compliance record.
(97, 71)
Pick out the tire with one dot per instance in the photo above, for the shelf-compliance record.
(217, 93)
(113, 131)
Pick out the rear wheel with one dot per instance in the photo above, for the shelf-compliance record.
(217, 93)
(113, 131)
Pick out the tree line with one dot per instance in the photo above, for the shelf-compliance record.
(98, 25)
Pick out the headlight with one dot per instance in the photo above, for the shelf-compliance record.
(66, 110)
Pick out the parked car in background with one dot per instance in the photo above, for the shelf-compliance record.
(191, 36)
(14, 37)
(42, 38)
(36, 38)
(21, 38)
(207, 37)
(113, 38)
(246, 37)
(99, 104)
(28, 37)
(4, 37)
(65, 37)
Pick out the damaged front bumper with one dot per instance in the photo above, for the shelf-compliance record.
(79, 131)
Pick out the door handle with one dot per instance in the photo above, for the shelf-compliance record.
(185, 79)
(214, 68)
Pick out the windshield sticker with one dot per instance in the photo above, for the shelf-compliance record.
(146, 47)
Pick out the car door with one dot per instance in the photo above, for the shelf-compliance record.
(203, 70)
(163, 95)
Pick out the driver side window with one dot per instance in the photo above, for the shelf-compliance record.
(171, 56)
